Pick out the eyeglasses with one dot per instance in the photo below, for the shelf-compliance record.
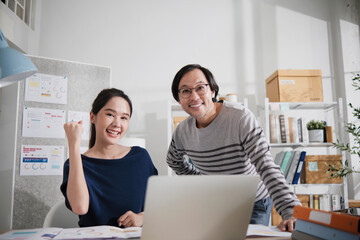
(200, 89)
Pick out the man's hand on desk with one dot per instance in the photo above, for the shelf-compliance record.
(287, 225)
(131, 219)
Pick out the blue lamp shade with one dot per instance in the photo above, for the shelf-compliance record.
(14, 66)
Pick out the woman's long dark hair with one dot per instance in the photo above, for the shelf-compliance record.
(100, 101)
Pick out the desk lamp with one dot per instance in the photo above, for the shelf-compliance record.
(14, 66)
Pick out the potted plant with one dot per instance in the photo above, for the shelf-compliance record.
(316, 130)
(352, 147)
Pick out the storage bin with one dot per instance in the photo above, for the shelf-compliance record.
(295, 86)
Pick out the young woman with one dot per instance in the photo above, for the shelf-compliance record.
(106, 185)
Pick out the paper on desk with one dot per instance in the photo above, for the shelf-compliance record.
(99, 232)
(261, 230)
(31, 234)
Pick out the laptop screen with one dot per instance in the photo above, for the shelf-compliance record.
(199, 207)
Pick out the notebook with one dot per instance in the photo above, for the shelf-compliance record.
(198, 207)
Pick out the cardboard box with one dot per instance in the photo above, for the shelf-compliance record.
(177, 120)
(316, 167)
(295, 86)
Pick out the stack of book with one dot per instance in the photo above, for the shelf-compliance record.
(291, 164)
(291, 129)
(285, 129)
(318, 224)
(326, 202)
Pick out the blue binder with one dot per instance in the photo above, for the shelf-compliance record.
(299, 168)
(324, 232)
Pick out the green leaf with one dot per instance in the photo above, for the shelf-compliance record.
(354, 130)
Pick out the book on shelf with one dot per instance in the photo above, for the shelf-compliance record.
(304, 130)
(278, 131)
(316, 201)
(299, 127)
(311, 200)
(291, 130)
(287, 130)
(273, 135)
(323, 232)
(293, 165)
(282, 128)
(329, 134)
(341, 221)
(285, 162)
(321, 202)
(289, 163)
(335, 202)
(279, 157)
(299, 168)
(295, 130)
(326, 204)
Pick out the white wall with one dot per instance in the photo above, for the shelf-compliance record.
(145, 43)
(275, 34)
(241, 41)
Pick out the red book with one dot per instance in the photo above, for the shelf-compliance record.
(342, 221)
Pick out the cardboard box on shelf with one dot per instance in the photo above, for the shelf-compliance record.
(316, 167)
(295, 86)
(177, 120)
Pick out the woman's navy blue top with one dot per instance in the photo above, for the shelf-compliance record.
(115, 186)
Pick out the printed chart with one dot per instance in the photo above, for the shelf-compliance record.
(43, 123)
(46, 88)
(41, 160)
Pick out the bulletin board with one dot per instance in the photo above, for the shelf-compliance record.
(35, 194)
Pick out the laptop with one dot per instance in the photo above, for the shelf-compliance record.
(215, 207)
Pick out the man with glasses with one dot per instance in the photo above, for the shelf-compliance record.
(225, 138)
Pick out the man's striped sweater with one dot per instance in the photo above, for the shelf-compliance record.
(233, 143)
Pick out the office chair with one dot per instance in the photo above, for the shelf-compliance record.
(60, 216)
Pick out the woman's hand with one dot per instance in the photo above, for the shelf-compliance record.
(287, 225)
(74, 131)
(77, 191)
(131, 219)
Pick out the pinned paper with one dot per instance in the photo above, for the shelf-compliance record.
(313, 167)
(41, 160)
(43, 123)
(46, 88)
